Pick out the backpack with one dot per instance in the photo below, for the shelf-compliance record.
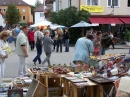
(17, 30)
(39, 39)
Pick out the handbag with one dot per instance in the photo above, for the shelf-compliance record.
(87, 47)
(96, 50)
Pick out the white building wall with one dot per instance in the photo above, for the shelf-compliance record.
(2, 21)
(38, 18)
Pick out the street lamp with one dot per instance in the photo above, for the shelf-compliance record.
(112, 6)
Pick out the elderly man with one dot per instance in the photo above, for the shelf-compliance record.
(22, 48)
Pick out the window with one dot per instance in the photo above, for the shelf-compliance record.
(4, 10)
(23, 10)
(60, 5)
(128, 3)
(68, 3)
(113, 3)
(41, 14)
(92, 2)
(23, 17)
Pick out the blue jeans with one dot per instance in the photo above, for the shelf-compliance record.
(59, 43)
(39, 52)
(103, 51)
(67, 45)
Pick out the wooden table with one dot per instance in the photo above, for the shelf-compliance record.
(34, 73)
(71, 89)
(50, 80)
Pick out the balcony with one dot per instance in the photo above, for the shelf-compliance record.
(49, 2)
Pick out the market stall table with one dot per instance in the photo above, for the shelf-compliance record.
(32, 72)
(51, 80)
(74, 86)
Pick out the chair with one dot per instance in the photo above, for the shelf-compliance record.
(36, 89)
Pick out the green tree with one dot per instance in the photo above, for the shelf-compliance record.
(69, 17)
(12, 15)
(32, 11)
(37, 3)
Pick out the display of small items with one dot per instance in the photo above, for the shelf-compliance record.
(60, 69)
(114, 64)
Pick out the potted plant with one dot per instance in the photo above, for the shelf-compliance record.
(127, 37)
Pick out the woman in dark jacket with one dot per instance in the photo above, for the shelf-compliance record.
(67, 39)
(105, 42)
(59, 41)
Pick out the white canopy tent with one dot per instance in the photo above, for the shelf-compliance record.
(46, 23)
(42, 23)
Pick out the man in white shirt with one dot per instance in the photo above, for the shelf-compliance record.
(22, 47)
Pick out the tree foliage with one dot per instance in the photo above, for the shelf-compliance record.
(32, 11)
(37, 3)
(12, 14)
(69, 17)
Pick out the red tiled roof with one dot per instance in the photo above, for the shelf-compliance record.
(15, 2)
(40, 8)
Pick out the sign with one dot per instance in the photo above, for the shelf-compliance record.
(95, 24)
(113, 24)
(92, 8)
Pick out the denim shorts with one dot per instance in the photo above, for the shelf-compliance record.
(15, 40)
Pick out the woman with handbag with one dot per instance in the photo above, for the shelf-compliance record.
(3, 52)
(97, 44)
(83, 48)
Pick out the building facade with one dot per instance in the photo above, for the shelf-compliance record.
(108, 15)
(119, 5)
(1, 20)
(23, 8)
(39, 14)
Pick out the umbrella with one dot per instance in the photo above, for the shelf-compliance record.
(54, 26)
(82, 24)
(43, 23)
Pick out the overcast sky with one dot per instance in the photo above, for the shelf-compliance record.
(32, 2)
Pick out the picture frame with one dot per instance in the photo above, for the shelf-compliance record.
(15, 93)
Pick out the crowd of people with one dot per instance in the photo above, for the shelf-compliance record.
(26, 38)
(94, 42)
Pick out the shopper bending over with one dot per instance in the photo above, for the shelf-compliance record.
(83, 48)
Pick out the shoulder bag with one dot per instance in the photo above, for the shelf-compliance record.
(87, 47)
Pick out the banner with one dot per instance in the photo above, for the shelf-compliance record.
(92, 8)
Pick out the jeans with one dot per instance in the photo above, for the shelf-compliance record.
(39, 52)
(67, 45)
(112, 45)
(55, 44)
(103, 51)
(59, 43)
(47, 59)
(32, 45)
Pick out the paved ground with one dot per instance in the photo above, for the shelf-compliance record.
(64, 57)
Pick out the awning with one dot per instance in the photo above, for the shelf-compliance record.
(105, 20)
(125, 20)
